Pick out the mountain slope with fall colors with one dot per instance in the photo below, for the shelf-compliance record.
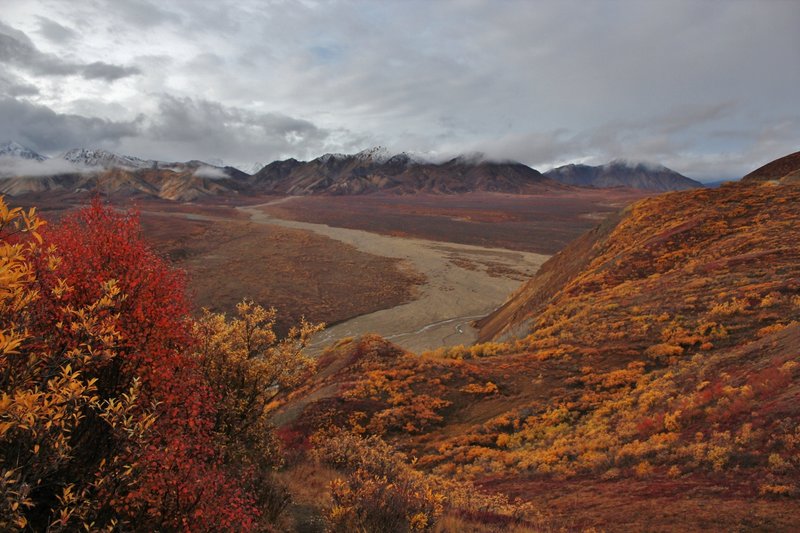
(649, 370)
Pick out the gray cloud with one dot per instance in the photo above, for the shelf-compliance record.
(10, 167)
(12, 86)
(141, 13)
(210, 173)
(54, 31)
(17, 49)
(192, 126)
(105, 71)
(708, 88)
(45, 130)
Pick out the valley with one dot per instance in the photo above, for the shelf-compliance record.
(569, 349)
(418, 269)
(462, 283)
(399, 266)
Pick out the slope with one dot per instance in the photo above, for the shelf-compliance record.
(777, 169)
(660, 362)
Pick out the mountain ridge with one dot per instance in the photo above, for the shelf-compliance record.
(13, 149)
(376, 171)
(373, 170)
(623, 173)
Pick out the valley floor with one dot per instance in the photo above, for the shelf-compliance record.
(463, 283)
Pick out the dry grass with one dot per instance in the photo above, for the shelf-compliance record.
(298, 272)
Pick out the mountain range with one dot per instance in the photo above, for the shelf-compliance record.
(22, 171)
(376, 170)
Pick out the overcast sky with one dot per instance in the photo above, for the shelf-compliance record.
(709, 88)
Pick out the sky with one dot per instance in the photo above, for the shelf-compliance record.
(707, 87)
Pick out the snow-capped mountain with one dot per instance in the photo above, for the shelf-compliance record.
(376, 154)
(104, 159)
(13, 149)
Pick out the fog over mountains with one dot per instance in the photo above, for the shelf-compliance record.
(373, 170)
(621, 173)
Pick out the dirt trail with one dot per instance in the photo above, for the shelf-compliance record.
(463, 283)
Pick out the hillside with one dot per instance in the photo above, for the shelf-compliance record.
(784, 167)
(657, 358)
(179, 184)
(621, 173)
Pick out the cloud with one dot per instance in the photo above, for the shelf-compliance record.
(142, 13)
(11, 85)
(178, 129)
(47, 131)
(214, 130)
(105, 71)
(210, 172)
(11, 167)
(17, 49)
(54, 31)
(558, 81)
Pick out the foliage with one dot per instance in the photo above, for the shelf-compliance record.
(664, 356)
(67, 448)
(181, 482)
(246, 365)
(670, 338)
(382, 491)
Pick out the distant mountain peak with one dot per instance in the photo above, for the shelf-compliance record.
(331, 157)
(623, 173)
(16, 150)
(378, 170)
(634, 164)
(90, 157)
(376, 154)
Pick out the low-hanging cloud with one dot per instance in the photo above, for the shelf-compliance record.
(214, 173)
(14, 167)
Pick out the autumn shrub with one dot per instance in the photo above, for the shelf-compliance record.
(68, 449)
(182, 480)
(383, 491)
(379, 491)
(246, 365)
(106, 419)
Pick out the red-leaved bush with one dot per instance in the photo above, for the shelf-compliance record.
(182, 482)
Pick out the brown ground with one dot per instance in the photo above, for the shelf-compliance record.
(535, 223)
(296, 271)
(656, 505)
